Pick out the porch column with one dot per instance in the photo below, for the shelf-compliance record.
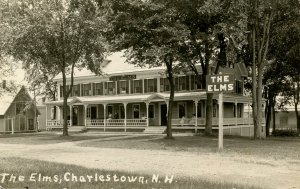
(104, 116)
(85, 114)
(249, 118)
(125, 110)
(46, 117)
(196, 112)
(147, 108)
(71, 115)
(61, 116)
(143, 86)
(12, 126)
(167, 102)
(235, 104)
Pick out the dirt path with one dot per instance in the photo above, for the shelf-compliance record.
(279, 174)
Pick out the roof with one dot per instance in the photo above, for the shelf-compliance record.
(5, 101)
(116, 64)
(8, 97)
(146, 98)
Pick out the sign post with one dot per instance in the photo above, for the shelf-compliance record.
(221, 117)
(220, 84)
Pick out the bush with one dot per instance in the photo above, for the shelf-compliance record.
(285, 133)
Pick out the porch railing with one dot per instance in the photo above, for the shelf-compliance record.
(116, 123)
(215, 121)
(51, 124)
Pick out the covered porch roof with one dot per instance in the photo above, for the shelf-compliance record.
(155, 97)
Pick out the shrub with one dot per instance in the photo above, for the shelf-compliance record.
(285, 133)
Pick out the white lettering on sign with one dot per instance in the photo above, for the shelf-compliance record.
(219, 83)
(226, 78)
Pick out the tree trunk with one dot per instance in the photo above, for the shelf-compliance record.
(254, 84)
(260, 134)
(274, 118)
(65, 105)
(169, 65)
(297, 117)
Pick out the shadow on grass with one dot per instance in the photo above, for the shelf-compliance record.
(270, 147)
(49, 138)
(55, 175)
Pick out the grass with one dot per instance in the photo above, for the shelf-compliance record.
(273, 147)
(276, 147)
(25, 167)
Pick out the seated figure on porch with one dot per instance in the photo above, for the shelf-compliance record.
(143, 116)
(109, 117)
(182, 121)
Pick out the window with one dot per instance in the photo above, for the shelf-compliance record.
(88, 112)
(181, 110)
(86, 89)
(164, 84)
(137, 86)
(196, 83)
(76, 90)
(110, 87)
(239, 87)
(151, 112)
(98, 90)
(136, 111)
(182, 83)
(20, 107)
(122, 87)
(150, 85)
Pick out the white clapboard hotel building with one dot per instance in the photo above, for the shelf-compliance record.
(129, 98)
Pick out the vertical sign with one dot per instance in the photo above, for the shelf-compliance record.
(219, 84)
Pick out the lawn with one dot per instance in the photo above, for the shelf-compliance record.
(274, 147)
(58, 176)
(193, 160)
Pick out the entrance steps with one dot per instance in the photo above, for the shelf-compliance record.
(76, 128)
(154, 130)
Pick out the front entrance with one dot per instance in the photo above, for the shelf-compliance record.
(75, 116)
(163, 115)
(93, 112)
(30, 124)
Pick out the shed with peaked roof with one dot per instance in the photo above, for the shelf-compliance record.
(17, 112)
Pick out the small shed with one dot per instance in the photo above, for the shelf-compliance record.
(17, 112)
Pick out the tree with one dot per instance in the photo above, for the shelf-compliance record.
(150, 34)
(261, 15)
(57, 34)
(41, 81)
(285, 49)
